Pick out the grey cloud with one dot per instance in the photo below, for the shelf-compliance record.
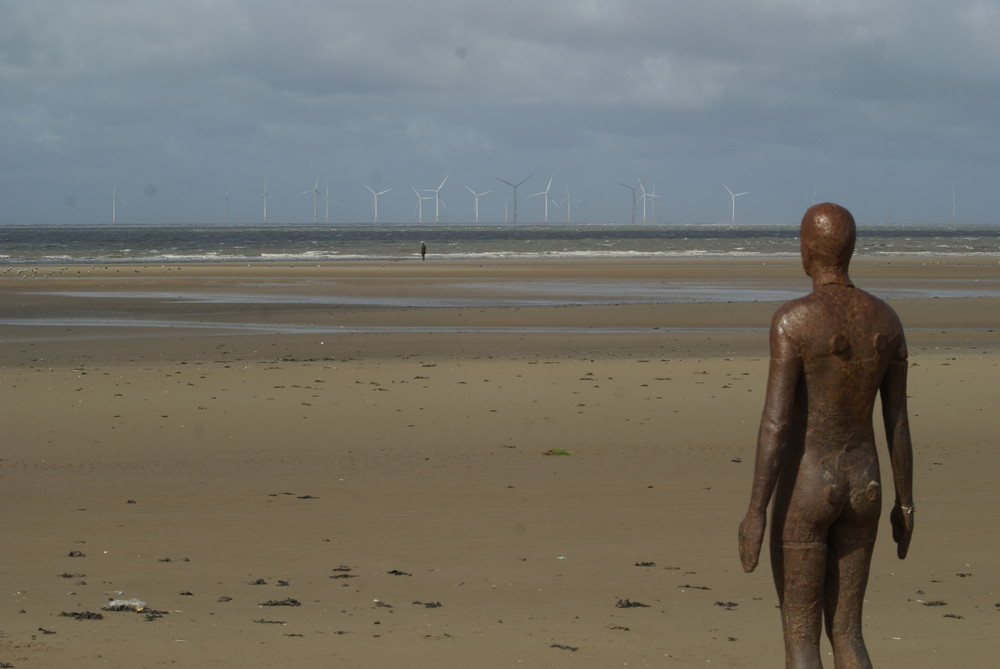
(230, 90)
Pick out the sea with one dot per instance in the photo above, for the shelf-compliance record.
(183, 243)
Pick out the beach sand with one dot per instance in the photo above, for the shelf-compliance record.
(365, 483)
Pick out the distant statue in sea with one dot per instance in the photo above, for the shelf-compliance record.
(832, 352)
(423, 251)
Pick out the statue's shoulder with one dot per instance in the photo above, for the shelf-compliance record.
(793, 311)
(880, 310)
(789, 322)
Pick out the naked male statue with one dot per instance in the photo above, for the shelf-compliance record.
(832, 352)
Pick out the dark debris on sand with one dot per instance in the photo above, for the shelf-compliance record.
(281, 602)
(82, 615)
(629, 604)
(429, 605)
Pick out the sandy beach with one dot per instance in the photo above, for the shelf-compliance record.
(348, 465)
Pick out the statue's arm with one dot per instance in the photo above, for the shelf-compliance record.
(897, 433)
(775, 423)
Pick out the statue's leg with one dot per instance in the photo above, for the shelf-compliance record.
(847, 578)
(799, 568)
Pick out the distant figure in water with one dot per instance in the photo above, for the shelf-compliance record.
(832, 352)
(423, 251)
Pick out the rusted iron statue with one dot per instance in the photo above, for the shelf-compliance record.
(832, 352)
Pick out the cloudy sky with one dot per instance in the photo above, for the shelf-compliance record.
(886, 106)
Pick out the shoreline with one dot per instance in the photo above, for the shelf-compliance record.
(452, 309)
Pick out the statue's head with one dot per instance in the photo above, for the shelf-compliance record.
(827, 236)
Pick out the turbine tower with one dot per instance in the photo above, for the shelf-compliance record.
(420, 203)
(514, 186)
(648, 197)
(375, 196)
(545, 196)
(633, 189)
(568, 201)
(476, 206)
(653, 197)
(114, 203)
(437, 198)
(644, 197)
(315, 193)
(266, 195)
(732, 202)
(326, 201)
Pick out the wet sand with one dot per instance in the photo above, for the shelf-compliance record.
(330, 466)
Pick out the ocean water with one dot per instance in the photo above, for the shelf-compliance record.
(103, 244)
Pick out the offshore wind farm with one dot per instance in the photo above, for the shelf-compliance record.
(638, 226)
(599, 204)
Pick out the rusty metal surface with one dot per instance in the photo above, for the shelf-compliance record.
(833, 353)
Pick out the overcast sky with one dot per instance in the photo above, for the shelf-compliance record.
(886, 106)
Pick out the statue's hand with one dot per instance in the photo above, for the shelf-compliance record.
(751, 538)
(902, 529)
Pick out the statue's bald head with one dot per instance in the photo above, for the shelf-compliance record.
(827, 236)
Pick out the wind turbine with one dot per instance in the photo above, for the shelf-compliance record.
(954, 207)
(375, 195)
(420, 203)
(732, 201)
(266, 195)
(652, 197)
(315, 193)
(633, 189)
(114, 203)
(646, 197)
(545, 196)
(514, 186)
(568, 201)
(477, 196)
(326, 201)
(437, 198)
